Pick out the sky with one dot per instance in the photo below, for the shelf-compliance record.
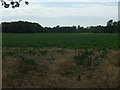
(63, 12)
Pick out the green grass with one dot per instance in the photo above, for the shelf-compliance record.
(88, 57)
(61, 40)
(84, 58)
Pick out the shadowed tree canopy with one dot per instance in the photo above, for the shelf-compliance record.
(21, 27)
(29, 27)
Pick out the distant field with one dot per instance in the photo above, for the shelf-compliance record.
(62, 40)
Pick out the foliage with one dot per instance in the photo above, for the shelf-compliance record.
(89, 58)
(43, 52)
(28, 61)
(21, 27)
(61, 40)
(12, 3)
(28, 27)
(84, 58)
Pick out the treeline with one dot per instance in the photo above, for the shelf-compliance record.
(21, 27)
(29, 27)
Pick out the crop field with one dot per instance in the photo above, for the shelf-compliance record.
(63, 40)
(60, 60)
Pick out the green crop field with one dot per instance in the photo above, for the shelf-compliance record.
(62, 40)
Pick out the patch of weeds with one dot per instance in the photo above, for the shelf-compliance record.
(28, 61)
(10, 53)
(70, 73)
(31, 52)
(43, 52)
(98, 59)
(89, 52)
(78, 59)
(103, 54)
(89, 62)
(61, 51)
(52, 58)
(84, 58)
(79, 78)
(28, 64)
(88, 58)
(96, 63)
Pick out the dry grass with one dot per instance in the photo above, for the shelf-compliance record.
(10, 66)
(57, 69)
(107, 74)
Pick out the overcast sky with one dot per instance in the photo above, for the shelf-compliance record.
(63, 12)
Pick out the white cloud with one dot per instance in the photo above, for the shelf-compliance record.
(77, 10)
(35, 12)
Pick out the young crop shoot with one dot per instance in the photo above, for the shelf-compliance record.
(12, 3)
